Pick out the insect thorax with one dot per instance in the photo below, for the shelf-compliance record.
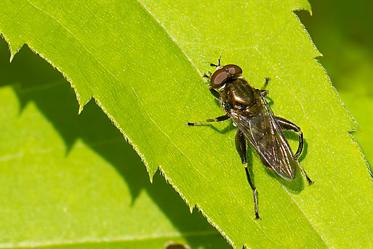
(237, 94)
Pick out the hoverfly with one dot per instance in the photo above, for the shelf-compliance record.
(250, 112)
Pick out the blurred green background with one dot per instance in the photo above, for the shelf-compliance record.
(342, 32)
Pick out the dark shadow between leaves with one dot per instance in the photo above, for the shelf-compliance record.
(339, 27)
(34, 80)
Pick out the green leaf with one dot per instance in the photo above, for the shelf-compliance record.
(141, 61)
(342, 34)
(360, 107)
(65, 185)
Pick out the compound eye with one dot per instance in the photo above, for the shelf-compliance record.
(233, 70)
(219, 78)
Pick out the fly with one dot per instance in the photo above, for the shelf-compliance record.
(250, 112)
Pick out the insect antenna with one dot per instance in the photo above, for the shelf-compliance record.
(207, 75)
(266, 82)
(219, 62)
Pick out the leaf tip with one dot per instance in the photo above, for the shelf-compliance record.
(191, 208)
(303, 5)
(14, 47)
(11, 56)
(13, 51)
(81, 102)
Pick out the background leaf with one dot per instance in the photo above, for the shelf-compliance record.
(107, 51)
(69, 181)
(344, 35)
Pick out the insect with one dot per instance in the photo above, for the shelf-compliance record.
(250, 112)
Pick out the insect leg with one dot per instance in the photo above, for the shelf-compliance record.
(264, 93)
(310, 182)
(287, 125)
(216, 65)
(266, 82)
(210, 120)
(241, 149)
(207, 75)
(263, 90)
(215, 93)
(241, 146)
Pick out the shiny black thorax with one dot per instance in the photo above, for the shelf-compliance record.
(238, 94)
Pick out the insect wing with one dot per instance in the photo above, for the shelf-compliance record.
(265, 135)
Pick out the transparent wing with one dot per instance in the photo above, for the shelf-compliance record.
(266, 137)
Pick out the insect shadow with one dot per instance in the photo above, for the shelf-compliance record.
(297, 185)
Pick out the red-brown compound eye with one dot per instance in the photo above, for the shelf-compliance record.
(219, 77)
(233, 70)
